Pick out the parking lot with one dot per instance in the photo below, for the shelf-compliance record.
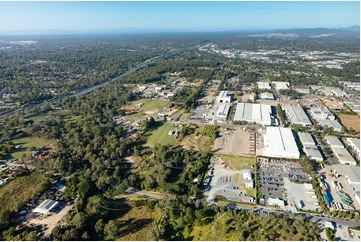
(272, 175)
(223, 183)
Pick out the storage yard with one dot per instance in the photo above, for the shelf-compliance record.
(342, 195)
(236, 141)
(231, 184)
(302, 196)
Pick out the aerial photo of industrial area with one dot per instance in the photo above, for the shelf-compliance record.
(119, 124)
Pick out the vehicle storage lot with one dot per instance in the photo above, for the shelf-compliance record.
(332, 192)
(223, 183)
(297, 192)
(235, 141)
(272, 175)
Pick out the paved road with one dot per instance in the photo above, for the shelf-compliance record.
(86, 90)
(260, 209)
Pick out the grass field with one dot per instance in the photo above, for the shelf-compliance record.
(44, 115)
(137, 225)
(238, 162)
(160, 136)
(151, 104)
(350, 121)
(184, 116)
(19, 191)
(26, 143)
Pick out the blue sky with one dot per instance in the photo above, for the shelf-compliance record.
(184, 16)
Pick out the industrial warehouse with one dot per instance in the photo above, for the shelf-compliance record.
(253, 112)
(309, 147)
(280, 142)
(296, 115)
(340, 151)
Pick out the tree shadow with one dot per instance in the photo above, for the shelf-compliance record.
(131, 225)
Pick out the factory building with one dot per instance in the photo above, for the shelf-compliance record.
(266, 96)
(279, 142)
(355, 144)
(263, 85)
(313, 153)
(321, 114)
(333, 141)
(309, 147)
(339, 150)
(306, 138)
(332, 124)
(253, 112)
(296, 115)
(224, 97)
(281, 85)
(344, 156)
(222, 112)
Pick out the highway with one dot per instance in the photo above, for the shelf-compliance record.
(83, 91)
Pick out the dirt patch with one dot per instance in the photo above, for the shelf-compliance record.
(235, 142)
(188, 143)
(350, 121)
(52, 220)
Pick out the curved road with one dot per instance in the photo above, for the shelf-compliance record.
(86, 90)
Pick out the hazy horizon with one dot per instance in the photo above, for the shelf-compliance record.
(146, 17)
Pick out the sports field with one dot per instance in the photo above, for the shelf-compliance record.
(350, 121)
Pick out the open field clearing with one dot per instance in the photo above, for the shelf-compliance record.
(350, 121)
(137, 224)
(150, 104)
(27, 143)
(19, 191)
(238, 162)
(64, 114)
(161, 136)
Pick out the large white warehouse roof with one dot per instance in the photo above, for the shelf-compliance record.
(351, 172)
(253, 112)
(280, 142)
